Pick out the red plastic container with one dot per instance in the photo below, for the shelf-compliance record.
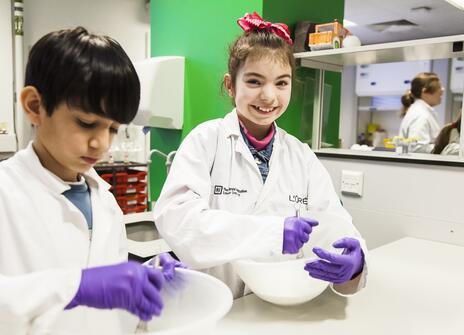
(131, 176)
(131, 200)
(125, 189)
(134, 209)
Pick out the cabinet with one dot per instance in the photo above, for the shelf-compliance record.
(457, 75)
(388, 78)
(128, 184)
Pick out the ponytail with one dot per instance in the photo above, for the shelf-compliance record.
(407, 100)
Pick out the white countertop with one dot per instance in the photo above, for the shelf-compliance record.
(414, 287)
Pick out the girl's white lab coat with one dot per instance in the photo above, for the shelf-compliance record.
(44, 244)
(214, 207)
(420, 121)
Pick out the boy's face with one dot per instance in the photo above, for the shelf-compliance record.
(262, 90)
(71, 141)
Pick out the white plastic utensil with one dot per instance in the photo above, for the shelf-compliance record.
(297, 214)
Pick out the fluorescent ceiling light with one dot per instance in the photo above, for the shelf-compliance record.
(348, 23)
(457, 3)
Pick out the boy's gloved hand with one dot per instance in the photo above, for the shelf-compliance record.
(296, 233)
(168, 264)
(336, 268)
(128, 286)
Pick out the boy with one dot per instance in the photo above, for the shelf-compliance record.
(57, 216)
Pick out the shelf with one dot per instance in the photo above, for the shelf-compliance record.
(413, 50)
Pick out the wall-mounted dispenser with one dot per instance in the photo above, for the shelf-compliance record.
(162, 92)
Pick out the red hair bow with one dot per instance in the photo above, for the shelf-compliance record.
(254, 21)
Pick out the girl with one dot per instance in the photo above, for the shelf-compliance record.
(420, 120)
(235, 182)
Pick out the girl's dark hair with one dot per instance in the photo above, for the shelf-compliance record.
(427, 82)
(89, 72)
(443, 137)
(258, 44)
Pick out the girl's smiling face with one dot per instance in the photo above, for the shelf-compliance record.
(261, 92)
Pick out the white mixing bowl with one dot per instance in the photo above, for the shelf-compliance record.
(282, 279)
(192, 305)
(283, 282)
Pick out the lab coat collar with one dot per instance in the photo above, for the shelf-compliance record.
(232, 126)
(50, 180)
(426, 105)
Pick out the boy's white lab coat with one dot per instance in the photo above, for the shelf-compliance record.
(420, 121)
(44, 244)
(214, 207)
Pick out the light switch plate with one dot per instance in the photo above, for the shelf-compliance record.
(352, 182)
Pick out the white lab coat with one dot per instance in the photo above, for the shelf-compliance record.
(44, 244)
(214, 207)
(420, 121)
(453, 146)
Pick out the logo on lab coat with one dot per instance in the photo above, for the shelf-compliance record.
(221, 190)
(298, 200)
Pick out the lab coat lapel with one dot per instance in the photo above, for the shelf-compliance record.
(240, 147)
(101, 225)
(274, 169)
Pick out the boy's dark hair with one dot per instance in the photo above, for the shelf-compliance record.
(86, 71)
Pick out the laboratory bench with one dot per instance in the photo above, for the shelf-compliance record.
(5, 155)
(415, 287)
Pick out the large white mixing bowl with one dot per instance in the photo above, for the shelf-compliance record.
(282, 279)
(282, 283)
(192, 305)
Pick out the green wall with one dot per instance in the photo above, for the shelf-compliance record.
(201, 30)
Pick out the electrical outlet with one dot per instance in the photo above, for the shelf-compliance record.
(352, 182)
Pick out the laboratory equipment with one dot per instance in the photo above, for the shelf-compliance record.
(161, 92)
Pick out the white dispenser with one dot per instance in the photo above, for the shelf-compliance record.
(162, 92)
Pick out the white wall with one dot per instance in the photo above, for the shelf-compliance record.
(422, 201)
(6, 65)
(127, 21)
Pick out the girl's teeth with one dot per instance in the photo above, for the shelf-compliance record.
(267, 110)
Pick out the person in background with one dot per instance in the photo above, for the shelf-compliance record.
(236, 183)
(419, 117)
(447, 141)
(62, 238)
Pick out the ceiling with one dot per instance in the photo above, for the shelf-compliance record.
(442, 19)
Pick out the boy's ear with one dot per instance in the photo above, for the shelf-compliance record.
(31, 101)
(228, 85)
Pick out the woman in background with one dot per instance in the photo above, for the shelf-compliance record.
(447, 142)
(420, 119)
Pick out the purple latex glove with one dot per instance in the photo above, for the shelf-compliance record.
(168, 265)
(336, 268)
(128, 286)
(296, 233)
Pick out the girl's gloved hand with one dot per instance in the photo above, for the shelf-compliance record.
(336, 268)
(128, 286)
(168, 265)
(296, 233)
